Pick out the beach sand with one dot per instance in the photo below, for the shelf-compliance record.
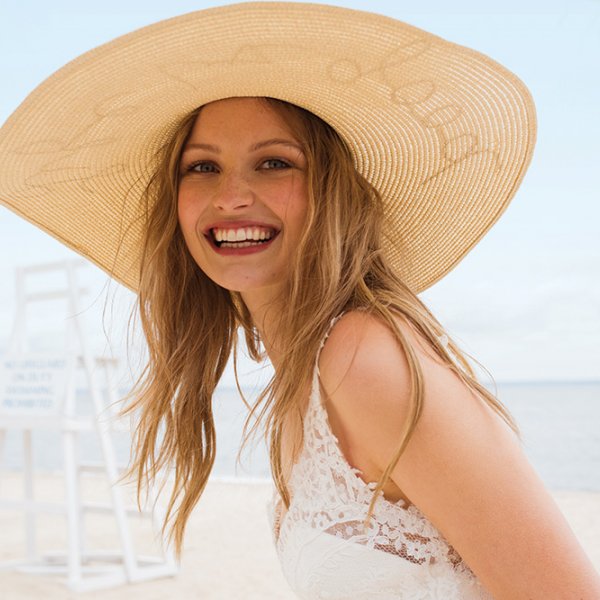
(228, 551)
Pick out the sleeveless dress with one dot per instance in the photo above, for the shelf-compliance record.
(323, 550)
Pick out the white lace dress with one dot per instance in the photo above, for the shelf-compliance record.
(323, 551)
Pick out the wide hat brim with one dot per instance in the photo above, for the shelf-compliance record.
(443, 132)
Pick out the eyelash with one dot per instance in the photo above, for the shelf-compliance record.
(191, 168)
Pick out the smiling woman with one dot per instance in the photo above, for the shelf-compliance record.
(305, 198)
(243, 177)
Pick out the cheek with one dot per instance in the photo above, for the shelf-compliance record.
(293, 202)
(185, 215)
(300, 208)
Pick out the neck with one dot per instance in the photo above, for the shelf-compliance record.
(264, 311)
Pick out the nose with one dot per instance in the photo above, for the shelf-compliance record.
(233, 193)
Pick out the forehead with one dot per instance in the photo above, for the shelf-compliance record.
(239, 116)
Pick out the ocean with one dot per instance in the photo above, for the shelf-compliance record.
(560, 423)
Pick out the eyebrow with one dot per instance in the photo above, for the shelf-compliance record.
(257, 146)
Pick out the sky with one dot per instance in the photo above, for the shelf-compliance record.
(525, 302)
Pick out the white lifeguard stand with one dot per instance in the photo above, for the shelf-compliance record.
(38, 392)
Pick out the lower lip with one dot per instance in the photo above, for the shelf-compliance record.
(241, 251)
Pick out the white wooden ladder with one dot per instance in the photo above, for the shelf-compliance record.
(38, 392)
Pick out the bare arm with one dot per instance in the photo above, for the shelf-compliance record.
(463, 468)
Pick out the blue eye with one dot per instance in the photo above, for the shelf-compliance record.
(278, 163)
(270, 164)
(201, 167)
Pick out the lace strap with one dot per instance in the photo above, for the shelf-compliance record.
(331, 324)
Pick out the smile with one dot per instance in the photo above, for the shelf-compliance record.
(242, 237)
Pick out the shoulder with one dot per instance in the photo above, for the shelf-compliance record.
(362, 351)
(367, 388)
(359, 330)
(463, 467)
(367, 383)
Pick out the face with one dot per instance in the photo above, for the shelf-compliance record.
(242, 195)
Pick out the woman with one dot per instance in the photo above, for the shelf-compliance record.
(314, 234)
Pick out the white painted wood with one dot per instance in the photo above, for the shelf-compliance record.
(61, 414)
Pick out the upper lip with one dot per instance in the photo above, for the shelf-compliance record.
(237, 225)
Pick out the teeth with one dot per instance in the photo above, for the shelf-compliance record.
(239, 244)
(242, 234)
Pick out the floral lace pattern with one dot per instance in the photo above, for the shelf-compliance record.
(323, 548)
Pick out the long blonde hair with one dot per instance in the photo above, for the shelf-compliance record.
(191, 323)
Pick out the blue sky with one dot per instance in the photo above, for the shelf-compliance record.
(526, 301)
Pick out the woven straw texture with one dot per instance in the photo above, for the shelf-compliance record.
(445, 133)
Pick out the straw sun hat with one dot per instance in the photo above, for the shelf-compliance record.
(443, 132)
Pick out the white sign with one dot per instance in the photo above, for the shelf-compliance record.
(32, 383)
